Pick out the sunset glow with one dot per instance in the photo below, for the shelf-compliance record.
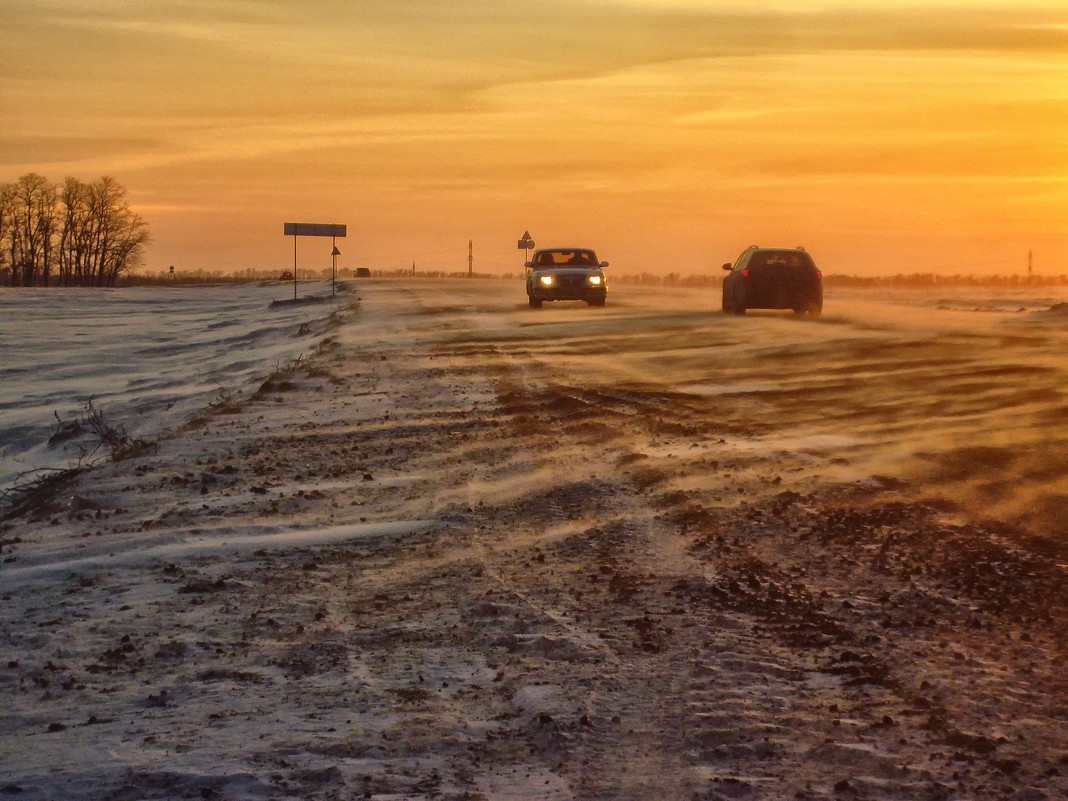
(884, 136)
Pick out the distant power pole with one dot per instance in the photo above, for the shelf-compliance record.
(1029, 265)
(470, 257)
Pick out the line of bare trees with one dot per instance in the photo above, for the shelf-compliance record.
(74, 234)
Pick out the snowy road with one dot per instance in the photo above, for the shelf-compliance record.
(626, 553)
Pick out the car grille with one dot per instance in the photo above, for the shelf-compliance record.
(571, 283)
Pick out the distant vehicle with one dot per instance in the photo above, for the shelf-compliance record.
(286, 276)
(363, 272)
(773, 278)
(566, 274)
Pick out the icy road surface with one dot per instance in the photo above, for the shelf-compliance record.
(474, 551)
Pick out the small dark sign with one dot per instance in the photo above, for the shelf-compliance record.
(314, 229)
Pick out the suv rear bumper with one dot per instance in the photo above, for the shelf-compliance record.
(781, 300)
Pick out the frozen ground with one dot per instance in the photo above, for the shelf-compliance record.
(148, 357)
(472, 551)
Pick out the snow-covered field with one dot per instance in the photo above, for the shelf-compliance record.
(468, 550)
(148, 358)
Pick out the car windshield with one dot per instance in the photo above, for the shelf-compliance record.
(565, 258)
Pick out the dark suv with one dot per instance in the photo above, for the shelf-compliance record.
(773, 278)
(566, 274)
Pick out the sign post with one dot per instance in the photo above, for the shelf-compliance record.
(333, 269)
(294, 230)
(525, 244)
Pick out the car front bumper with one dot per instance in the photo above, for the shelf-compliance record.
(567, 287)
(563, 293)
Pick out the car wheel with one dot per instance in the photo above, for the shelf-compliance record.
(534, 303)
(725, 307)
(815, 310)
(595, 302)
(736, 306)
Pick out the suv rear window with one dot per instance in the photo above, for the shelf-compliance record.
(782, 258)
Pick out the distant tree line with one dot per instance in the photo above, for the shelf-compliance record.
(713, 280)
(938, 280)
(74, 234)
(911, 280)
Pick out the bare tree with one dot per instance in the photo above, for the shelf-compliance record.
(120, 235)
(7, 214)
(33, 229)
(85, 232)
(46, 219)
(74, 242)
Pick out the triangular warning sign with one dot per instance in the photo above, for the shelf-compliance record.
(526, 235)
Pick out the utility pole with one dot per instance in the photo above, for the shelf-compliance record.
(470, 257)
(1030, 264)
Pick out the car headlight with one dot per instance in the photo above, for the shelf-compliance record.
(546, 280)
(595, 280)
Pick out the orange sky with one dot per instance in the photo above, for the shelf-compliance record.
(668, 135)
